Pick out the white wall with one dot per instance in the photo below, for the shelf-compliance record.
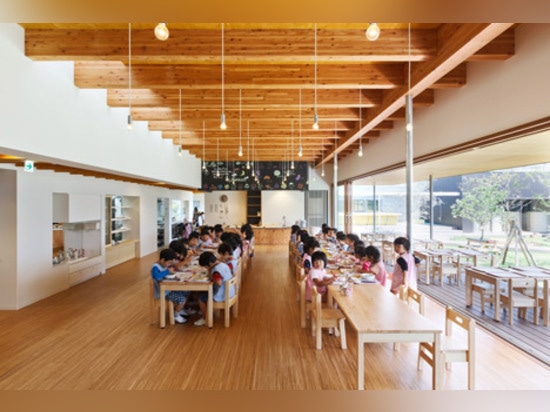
(279, 203)
(45, 117)
(30, 276)
(498, 95)
(232, 212)
(8, 234)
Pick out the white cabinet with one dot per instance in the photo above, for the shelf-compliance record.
(70, 208)
(120, 253)
(81, 270)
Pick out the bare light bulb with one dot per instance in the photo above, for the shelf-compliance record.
(315, 122)
(179, 151)
(300, 151)
(129, 123)
(373, 32)
(323, 172)
(360, 154)
(223, 125)
(240, 151)
(292, 165)
(161, 32)
(409, 127)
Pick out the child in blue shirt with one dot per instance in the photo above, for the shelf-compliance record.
(162, 268)
(219, 273)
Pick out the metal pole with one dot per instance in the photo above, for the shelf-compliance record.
(374, 208)
(409, 164)
(335, 189)
(431, 201)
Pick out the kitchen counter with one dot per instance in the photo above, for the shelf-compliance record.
(271, 235)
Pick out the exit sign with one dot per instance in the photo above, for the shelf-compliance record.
(29, 166)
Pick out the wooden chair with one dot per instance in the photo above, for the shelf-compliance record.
(239, 274)
(154, 305)
(228, 302)
(305, 306)
(485, 292)
(453, 350)
(444, 266)
(515, 298)
(408, 295)
(326, 318)
(299, 274)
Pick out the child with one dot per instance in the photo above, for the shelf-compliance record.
(341, 241)
(361, 256)
(294, 229)
(376, 266)
(159, 271)
(219, 273)
(218, 231)
(310, 246)
(194, 240)
(205, 239)
(331, 235)
(404, 271)
(225, 250)
(182, 258)
(318, 275)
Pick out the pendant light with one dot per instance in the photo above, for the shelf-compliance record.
(360, 154)
(129, 121)
(315, 116)
(240, 124)
(223, 125)
(161, 32)
(248, 145)
(203, 153)
(300, 152)
(179, 149)
(373, 32)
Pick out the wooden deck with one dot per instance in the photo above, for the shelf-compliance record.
(524, 334)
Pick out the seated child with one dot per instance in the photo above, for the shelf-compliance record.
(205, 239)
(225, 250)
(376, 266)
(218, 230)
(159, 271)
(310, 246)
(318, 275)
(182, 258)
(194, 240)
(361, 256)
(219, 273)
(341, 241)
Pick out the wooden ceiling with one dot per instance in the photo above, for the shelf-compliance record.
(359, 85)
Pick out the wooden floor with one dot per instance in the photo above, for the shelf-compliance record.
(98, 335)
(531, 338)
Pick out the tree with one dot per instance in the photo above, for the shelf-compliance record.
(501, 193)
(482, 198)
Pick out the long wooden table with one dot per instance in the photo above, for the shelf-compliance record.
(187, 286)
(378, 316)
